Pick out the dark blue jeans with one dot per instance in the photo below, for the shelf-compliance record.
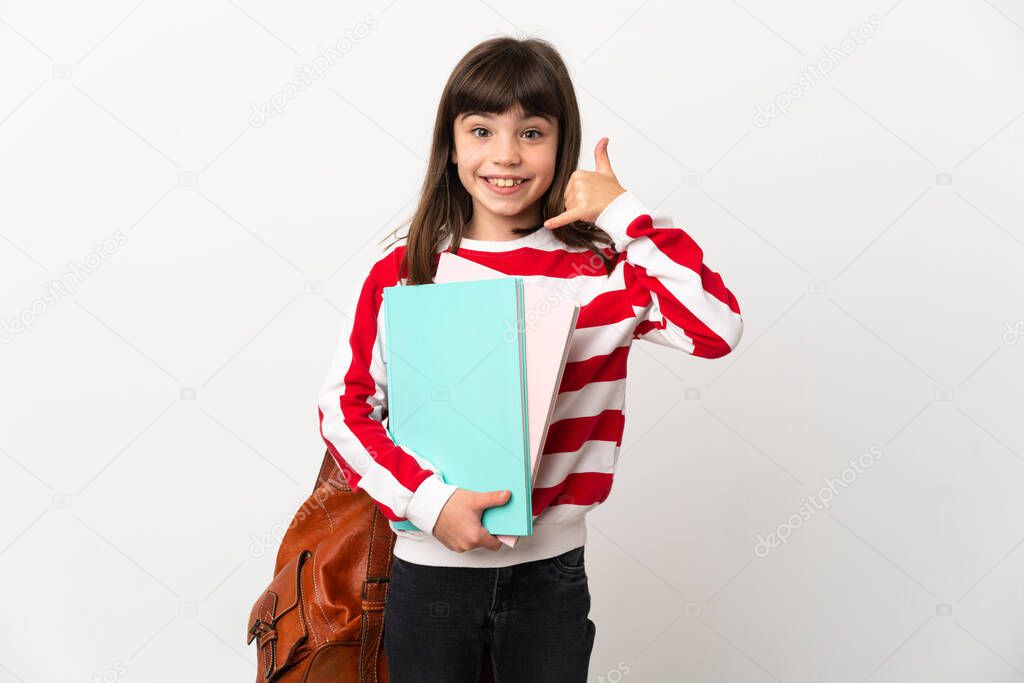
(533, 616)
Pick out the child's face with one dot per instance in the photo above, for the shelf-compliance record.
(508, 144)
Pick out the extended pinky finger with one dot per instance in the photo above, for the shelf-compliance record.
(562, 219)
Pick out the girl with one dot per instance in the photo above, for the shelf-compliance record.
(502, 189)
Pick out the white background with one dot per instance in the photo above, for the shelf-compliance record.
(882, 303)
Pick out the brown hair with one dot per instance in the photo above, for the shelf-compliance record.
(494, 77)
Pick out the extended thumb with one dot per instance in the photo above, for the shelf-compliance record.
(496, 498)
(602, 164)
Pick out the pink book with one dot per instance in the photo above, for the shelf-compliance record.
(549, 319)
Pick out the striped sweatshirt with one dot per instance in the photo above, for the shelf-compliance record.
(660, 291)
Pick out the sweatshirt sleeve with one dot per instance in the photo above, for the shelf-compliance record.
(677, 299)
(352, 405)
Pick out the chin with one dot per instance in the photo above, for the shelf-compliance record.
(507, 209)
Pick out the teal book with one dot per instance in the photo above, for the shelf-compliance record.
(457, 395)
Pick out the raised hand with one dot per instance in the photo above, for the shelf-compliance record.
(589, 192)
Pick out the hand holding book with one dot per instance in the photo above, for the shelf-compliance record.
(459, 526)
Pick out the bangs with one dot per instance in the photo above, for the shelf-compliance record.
(504, 80)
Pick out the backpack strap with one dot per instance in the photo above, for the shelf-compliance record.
(375, 590)
(375, 585)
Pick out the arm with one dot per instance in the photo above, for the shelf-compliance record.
(352, 404)
(678, 301)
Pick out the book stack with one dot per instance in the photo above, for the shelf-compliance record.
(474, 362)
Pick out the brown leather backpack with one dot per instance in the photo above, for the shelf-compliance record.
(322, 616)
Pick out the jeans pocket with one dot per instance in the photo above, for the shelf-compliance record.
(571, 561)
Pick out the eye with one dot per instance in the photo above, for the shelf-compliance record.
(474, 130)
(534, 130)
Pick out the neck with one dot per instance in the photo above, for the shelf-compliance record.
(485, 225)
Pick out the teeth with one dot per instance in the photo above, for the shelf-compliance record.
(503, 182)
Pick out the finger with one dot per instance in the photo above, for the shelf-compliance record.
(490, 541)
(602, 164)
(569, 195)
(564, 218)
(569, 200)
(493, 498)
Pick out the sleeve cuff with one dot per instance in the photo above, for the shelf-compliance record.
(427, 501)
(617, 216)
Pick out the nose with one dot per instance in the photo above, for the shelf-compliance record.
(506, 150)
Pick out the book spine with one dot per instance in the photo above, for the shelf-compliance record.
(386, 357)
(521, 345)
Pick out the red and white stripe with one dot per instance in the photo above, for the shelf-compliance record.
(660, 291)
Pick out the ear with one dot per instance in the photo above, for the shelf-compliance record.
(453, 156)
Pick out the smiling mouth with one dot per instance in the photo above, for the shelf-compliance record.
(504, 182)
